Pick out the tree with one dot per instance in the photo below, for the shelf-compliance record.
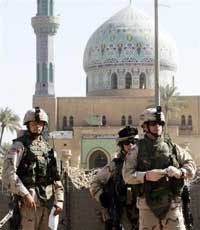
(171, 102)
(8, 121)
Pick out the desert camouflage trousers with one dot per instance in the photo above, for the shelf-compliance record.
(34, 219)
(173, 220)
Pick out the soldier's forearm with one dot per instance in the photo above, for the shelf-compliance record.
(134, 178)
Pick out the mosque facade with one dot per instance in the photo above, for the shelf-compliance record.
(119, 66)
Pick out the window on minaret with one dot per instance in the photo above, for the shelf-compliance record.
(38, 72)
(183, 122)
(190, 120)
(104, 120)
(44, 72)
(130, 121)
(51, 8)
(142, 81)
(38, 7)
(123, 121)
(114, 81)
(71, 121)
(51, 72)
(128, 81)
(44, 7)
(64, 123)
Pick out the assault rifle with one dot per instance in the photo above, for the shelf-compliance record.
(185, 196)
(14, 205)
(115, 191)
(114, 208)
(188, 219)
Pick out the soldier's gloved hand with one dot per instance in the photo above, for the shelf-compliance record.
(155, 174)
(174, 172)
(105, 199)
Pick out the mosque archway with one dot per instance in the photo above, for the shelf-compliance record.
(97, 159)
(142, 81)
(114, 81)
(128, 81)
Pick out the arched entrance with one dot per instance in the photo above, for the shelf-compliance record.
(97, 159)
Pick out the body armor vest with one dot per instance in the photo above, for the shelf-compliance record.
(38, 167)
(158, 154)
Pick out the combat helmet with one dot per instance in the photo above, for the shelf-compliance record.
(127, 133)
(35, 114)
(152, 114)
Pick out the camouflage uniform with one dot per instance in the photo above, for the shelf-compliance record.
(159, 201)
(26, 171)
(112, 173)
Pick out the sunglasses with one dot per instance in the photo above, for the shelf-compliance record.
(129, 141)
(153, 123)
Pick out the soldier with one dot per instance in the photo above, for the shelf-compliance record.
(158, 168)
(30, 173)
(109, 188)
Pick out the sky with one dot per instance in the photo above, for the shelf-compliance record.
(78, 20)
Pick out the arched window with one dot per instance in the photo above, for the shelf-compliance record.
(64, 123)
(71, 121)
(183, 122)
(123, 121)
(51, 72)
(190, 120)
(142, 81)
(114, 81)
(104, 120)
(128, 81)
(98, 159)
(130, 121)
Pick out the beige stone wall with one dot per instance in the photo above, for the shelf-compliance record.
(82, 108)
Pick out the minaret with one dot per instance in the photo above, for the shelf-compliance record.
(45, 26)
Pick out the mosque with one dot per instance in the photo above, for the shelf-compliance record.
(119, 67)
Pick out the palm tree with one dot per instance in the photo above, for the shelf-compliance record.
(9, 121)
(171, 102)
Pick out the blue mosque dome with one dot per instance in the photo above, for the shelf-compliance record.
(126, 39)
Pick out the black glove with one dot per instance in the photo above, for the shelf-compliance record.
(105, 199)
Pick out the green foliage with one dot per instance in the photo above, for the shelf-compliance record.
(8, 121)
(171, 102)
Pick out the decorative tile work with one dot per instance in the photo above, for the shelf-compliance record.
(127, 38)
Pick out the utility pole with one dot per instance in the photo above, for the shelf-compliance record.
(156, 55)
